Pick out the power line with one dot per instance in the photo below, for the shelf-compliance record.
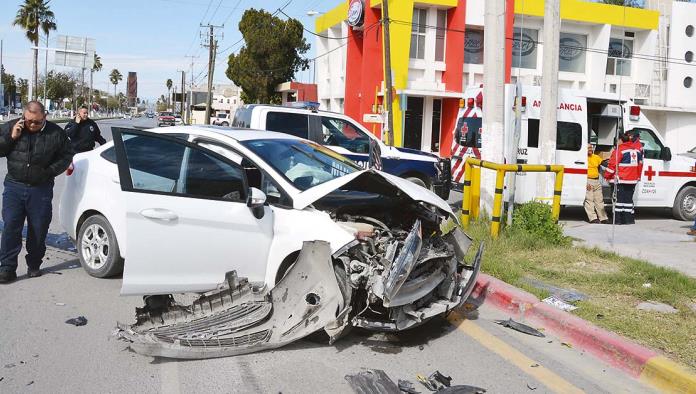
(215, 12)
(242, 39)
(316, 34)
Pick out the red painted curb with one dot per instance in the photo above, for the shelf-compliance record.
(608, 346)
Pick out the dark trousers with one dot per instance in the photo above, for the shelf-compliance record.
(34, 204)
(624, 204)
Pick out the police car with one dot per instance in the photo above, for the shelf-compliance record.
(347, 137)
(583, 117)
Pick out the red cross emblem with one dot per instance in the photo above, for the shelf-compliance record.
(650, 173)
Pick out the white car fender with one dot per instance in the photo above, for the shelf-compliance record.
(292, 227)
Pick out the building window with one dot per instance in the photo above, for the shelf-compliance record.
(418, 34)
(572, 53)
(435, 133)
(690, 31)
(440, 35)
(524, 48)
(689, 56)
(619, 57)
(688, 81)
(473, 46)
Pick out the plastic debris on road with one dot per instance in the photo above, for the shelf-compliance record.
(559, 304)
(77, 321)
(523, 328)
(372, 381)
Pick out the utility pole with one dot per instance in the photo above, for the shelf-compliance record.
(387, 73)
(211, 44)
(190, 101)
(549, 95)
(493, 133)
(2, 71)
(182, 98)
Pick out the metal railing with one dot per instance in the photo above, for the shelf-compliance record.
(472, 188)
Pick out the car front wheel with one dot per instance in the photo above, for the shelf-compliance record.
(98, 248)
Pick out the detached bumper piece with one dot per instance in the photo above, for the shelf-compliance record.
(239, 318)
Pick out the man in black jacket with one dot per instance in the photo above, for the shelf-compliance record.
(83, 132)
(37, 151)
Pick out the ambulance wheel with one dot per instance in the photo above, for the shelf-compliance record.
(685, 204)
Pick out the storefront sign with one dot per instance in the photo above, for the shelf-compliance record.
(572, 53)
(523, 44)
(524, 48)
(571, 49)
(356, 13)
(617, 48)
(473, 46)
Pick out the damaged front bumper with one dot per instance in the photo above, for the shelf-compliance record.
(239, 318)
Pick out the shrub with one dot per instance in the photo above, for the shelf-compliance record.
(534, 222)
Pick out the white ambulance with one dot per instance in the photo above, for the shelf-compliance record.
(667, 181)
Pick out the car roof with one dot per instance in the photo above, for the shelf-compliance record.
(293, 109)
(238, 134)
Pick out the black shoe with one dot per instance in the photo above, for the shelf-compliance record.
(606, 222)
(33, 273)
(594, 221)
(7, 277)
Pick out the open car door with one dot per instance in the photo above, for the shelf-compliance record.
(187, 220)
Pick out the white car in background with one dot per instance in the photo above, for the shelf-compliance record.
(284, 236)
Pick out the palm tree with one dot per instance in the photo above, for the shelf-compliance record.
(32, 16)
(115, 77)
(169, 88)
(96, 67)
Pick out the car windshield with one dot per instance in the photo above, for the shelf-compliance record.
(303, 163)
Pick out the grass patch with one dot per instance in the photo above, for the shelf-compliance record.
(613, 283)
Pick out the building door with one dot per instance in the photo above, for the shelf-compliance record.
(413, 125)
(435, 131)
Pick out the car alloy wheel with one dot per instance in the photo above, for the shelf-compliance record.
(94, 246)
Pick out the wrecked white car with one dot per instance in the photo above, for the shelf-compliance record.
(282, 237)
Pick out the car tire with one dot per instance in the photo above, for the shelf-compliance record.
(97, 248)
(225, 124)
(684, 207)
(417, 181)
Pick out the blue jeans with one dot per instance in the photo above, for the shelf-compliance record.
(694, 226)
(34, 204)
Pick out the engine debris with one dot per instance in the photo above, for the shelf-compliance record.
(523, 328)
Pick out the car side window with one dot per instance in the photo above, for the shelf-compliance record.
(568, 135)
(652, 148)
(341, 133)
(288, 123)
(165, 166)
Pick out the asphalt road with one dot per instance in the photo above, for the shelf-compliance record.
(39, 352)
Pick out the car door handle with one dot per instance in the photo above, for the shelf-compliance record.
(579, 162)
(159, 214)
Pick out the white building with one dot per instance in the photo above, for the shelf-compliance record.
(226, 99)
(643, 54)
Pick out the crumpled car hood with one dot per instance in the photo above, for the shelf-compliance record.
(372, 181)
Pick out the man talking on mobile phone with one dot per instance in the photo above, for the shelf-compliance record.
(83, 132)
(37, 151)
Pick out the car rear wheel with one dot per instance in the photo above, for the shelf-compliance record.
(685, 204)
(225, 124)
(98, 248)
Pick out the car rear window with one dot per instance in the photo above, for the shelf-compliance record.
(242, 118)
(110, 154)
(288, 123)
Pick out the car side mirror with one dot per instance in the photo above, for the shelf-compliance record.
(666, 154)
(256, 201)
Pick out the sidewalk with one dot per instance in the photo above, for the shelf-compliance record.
(654, 238)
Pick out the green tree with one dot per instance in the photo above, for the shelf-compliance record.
(626, 3)
(115, 77)
(59, 85)
(96, 67)
(32, 16)
(169, 88)
(272, 55)
(23, 89)
(8, 80)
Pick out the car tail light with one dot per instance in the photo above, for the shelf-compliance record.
(70, 170)
(461, 103)
(470, 102)
(634, 113)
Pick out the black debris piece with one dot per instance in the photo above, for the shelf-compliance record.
(432, 386)
(421, 347)
(534, 365)
(531, 387)
(2, 378)
(523, 328)
(30, 383)
(440, 378)
(77, 321)
(372, 381)
(407, 387)
(462, 389)
(10, 365)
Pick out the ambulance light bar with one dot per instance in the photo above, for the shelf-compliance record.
(634, 113)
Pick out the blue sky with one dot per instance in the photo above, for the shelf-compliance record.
(150, 37)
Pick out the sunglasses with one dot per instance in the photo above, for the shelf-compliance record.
(33, 121)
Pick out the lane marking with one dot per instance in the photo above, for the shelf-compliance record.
(514, 356)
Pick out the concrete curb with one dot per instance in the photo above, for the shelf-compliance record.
(636, 360)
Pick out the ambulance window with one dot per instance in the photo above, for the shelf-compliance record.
(568, 135)
(651, 145)
(469, 131)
